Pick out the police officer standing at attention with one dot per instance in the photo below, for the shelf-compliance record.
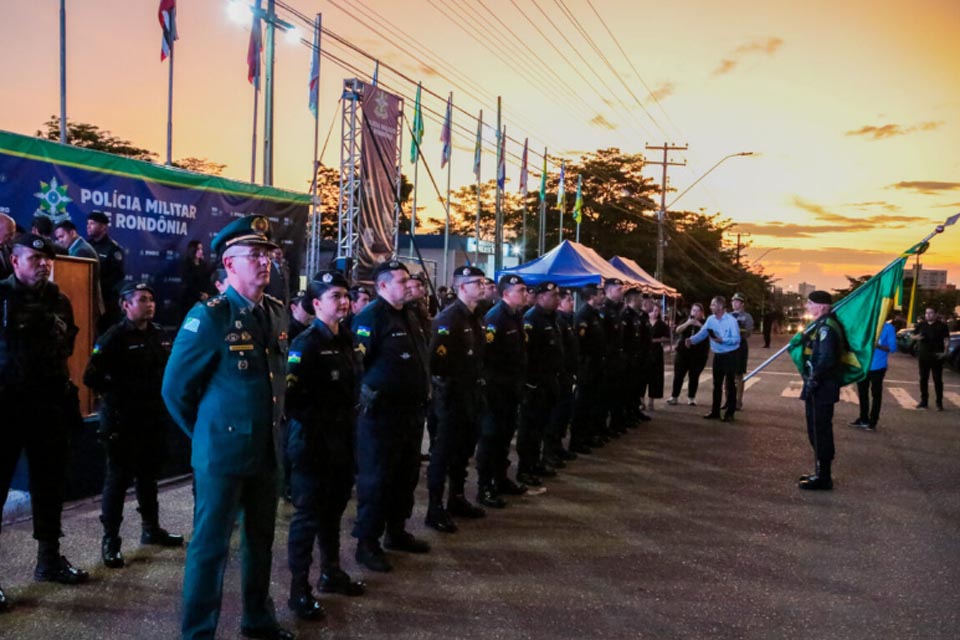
(224, 387)
(393, 393)
(563, 409)
(503, 373)
(323, 379)
(588, 407)
(456, 361)
(614, 384)
(36, 337)
(635, 335)
(126, 367)
(745, 320)
(822, 349)
(541, 391)
(111, 258)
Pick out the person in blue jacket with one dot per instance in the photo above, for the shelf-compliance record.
(872, 385)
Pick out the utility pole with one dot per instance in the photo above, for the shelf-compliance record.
(663, 198)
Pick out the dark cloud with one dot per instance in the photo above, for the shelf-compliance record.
(768, 47)
(926, 187)
(600, 121)
(662, 90)
(890, 130)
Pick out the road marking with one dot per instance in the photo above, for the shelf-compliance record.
(903, 397)
(752, 381)
(793, 391)
(952, 397)
(847, 394)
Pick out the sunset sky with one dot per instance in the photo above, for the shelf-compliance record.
(852, 108)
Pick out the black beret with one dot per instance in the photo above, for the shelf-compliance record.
(419, 276)
(469, 270)
(820, 297)
(590, 290)
(565, 291)
(242, 231)
(545, 287)
(327, 279)
(101, 217)
(133, 287)
(612, 281)
(739, 296)
(357, 289)
(488, 281)
(35, 242)
(510, 280)
(389, 265)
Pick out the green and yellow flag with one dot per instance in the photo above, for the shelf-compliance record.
(862, 314)
(578, 203)
(417, 128)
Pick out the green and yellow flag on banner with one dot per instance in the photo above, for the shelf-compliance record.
(862, 314)
(578, 203)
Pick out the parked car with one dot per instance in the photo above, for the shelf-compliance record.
(905, 342)
(953, 351)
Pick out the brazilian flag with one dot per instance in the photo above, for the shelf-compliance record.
(862, 314)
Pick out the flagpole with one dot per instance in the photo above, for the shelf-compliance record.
(913, 290)
(839, 305)
(498, 204)
(542, 237)
(253, 151)
(63, 71)
(476, 246)
(446, 223)
(312, 265)
(578, 233)
(170, 106)
(562, 201)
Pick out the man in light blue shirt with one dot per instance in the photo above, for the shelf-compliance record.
(724, 334)
(873, 383)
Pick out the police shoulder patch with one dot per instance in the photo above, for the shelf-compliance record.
(363, 332)
(191, 325)
(293, 357)
(443, 331)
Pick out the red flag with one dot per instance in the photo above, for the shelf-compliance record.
(167, 15)
(253, 53)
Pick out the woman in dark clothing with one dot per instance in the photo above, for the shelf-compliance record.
(323, 374)
(194, 277)
(659, 335)
(689, 361)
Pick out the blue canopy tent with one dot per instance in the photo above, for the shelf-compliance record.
(569, 264)
(631, 268)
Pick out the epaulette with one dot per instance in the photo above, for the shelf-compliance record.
(271, 298)
(216, 300)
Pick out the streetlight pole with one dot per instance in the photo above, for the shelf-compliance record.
(665, 207)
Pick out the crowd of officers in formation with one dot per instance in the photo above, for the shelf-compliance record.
(334, 391)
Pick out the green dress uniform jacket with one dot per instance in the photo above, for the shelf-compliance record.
(224, 383)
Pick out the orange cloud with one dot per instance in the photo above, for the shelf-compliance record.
(600, 121)
(891, 130)
(926, 187)
(662, 90)
(768, 46)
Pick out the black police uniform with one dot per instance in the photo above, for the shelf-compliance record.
(931, 338)
(323, 376)
(563, 409)
(614, 385)
(393, 394)
(126, 367)
(503, 373)
(589, 411)
(636, 342)
(456, 367)
(111, 256)
(822, 348)
(541, 390)
(39, 403)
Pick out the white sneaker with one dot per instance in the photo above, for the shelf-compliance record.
(692, 402)
(671, 401)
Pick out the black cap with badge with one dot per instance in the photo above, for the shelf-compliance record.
(820, 297)
(389, 265)
(468, 270)
(35, 242)
(132, 287)
(545, 287)
(99, 216)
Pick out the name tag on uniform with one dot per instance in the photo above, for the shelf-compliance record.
(241, 347)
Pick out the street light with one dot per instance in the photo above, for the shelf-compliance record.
(661, 215)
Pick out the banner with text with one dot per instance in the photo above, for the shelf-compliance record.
(378, 171)
(154, 211)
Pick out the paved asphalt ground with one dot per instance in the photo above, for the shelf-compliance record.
(682, 529)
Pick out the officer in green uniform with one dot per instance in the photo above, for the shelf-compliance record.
(224, 387)
(822, 351)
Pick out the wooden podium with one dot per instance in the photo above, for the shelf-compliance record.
(76, 279)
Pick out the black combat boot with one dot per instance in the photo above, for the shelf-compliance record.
(53, 567)
(370, 554)
(820, 482)
(110, 550)
(302, 602)
(438, 518)
(458, 505)
(154, 534)
(333, 579)
(488, 497)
